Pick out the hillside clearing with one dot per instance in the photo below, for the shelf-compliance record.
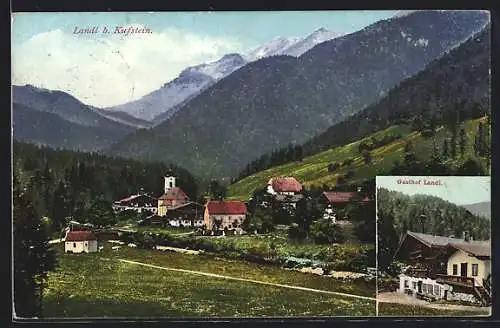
(313, 170)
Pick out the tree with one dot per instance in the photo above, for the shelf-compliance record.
(470, 168)
(445, 148)
(387, 238)
(100, 213)
(33, 258)
(367, 156)
(453, 144)
(217, 190)
(296, 233)
(259, 221)
(323, 231)
(462, 142)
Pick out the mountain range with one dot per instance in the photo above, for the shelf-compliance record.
(162, 103)
(482, 209)
(282, 99)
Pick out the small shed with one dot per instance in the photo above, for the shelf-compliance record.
(80, 242)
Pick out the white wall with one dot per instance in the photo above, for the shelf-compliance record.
(81, 246)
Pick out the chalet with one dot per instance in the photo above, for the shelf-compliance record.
(224, 215)
(173, 197)
(335, 200)
(80, 242)
(139, 203)
(442, 267)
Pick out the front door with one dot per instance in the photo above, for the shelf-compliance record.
(463, 269)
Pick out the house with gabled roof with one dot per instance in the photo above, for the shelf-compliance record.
(223, 215)
(445, 267)
(80, 242)
(286, 191)
(140, 202)
(335, 200)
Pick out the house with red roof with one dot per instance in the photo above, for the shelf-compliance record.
(284, 186)
(80, 242)
(223, 215)
(335, 200)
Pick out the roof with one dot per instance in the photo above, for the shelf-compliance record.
(433, 240)
(80, 236)
(174, 193)
(343, 196)
(339, 196)
(288, 184)
(184, 205)
(231, 207)
(478, 249)
(132, 197)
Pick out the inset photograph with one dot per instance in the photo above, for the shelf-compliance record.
(433, 246)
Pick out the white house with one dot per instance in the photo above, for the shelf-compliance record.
(80, 242)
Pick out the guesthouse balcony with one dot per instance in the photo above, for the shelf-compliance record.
(455, 280)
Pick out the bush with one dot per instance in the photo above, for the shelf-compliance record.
(333, 166)
(347, 162)
(427, 133)
(296, 233)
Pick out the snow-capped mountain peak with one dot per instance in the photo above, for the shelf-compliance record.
(162, 103)
(292, 46)
(220, 68)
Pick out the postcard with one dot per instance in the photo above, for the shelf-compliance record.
(205, 165)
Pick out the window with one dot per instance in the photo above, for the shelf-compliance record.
(455, 269)
(406, 284)
(475, 269)
(436, 290)
(414, 285)
(74, 245)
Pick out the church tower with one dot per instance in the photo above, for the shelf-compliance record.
(169, 183)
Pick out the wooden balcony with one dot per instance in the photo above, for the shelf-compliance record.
(455, 280)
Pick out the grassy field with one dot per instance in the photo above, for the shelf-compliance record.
(402, 310)
(313, 170)
(344, 257)
(97, 285)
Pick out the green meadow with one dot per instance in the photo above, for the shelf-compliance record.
(99, 285)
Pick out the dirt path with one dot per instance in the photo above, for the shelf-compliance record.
(401, 298)
(249, 280)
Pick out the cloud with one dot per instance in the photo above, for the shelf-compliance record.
(106, 70)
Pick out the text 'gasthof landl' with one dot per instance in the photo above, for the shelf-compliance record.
(423, 182)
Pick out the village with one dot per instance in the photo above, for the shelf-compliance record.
(216, 217)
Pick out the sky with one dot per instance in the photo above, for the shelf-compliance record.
(110, 69)
(457, 190)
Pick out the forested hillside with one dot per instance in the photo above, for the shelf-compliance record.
(62, 183)
(443, 218)
(457, 86)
